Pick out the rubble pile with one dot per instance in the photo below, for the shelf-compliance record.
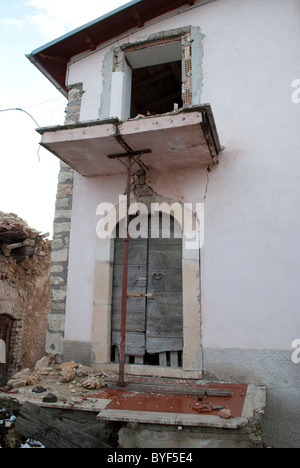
(38, 390)
(50, 382)
(23, 250)
(17, 238)
(9, 438)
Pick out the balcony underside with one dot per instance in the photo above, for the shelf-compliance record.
(173, 141)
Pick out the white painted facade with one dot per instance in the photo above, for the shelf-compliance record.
(245, 56)
(250, 259)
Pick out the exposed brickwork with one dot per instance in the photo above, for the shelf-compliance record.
(187, 70)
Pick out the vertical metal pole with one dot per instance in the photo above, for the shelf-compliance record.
(124, 282)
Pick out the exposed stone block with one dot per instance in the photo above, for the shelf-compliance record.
(59, 255)
(54, 343)
(61, 227)
(56, 322)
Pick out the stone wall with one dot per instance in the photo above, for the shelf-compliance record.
(61, 238)
(25, 298)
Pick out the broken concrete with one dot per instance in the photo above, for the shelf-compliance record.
(165, 416)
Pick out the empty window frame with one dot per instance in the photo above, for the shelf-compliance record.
(153, 77)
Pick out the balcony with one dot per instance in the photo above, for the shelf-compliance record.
(186, 138)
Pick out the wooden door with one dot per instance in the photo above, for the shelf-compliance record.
(136, 306)
(154, 327)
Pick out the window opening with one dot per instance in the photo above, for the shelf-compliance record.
(156, 89)
(6, 324)
(153, 77)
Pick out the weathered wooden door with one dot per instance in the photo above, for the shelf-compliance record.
(5, 335)
(154, 325)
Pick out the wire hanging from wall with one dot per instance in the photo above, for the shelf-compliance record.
(21, 110)
(32, 118)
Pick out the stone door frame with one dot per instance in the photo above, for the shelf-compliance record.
(101, 332)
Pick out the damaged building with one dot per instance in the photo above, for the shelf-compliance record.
(25, 263)
(184, 108)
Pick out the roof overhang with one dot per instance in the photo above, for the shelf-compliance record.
(52, 59)
(178, 140)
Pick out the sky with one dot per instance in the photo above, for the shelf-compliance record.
(28, 172)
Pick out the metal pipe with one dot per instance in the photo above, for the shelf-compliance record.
(125, 282)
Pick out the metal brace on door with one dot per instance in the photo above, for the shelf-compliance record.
(148, 295)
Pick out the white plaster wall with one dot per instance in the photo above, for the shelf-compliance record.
(186, 186)
(88, 193)
(88, 70)
(250, 259)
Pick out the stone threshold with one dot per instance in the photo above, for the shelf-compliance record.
(117, 405)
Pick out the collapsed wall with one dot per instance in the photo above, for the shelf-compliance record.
(25, 263)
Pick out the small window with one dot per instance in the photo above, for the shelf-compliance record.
(156, 77)
(156, 89)
(152, 77)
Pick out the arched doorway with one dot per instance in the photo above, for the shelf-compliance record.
(5, 334)
(154, 325)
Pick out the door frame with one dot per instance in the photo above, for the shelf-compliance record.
(9, 322)
(103, 284)
(142, 329)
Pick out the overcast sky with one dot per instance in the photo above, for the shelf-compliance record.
(28, 173)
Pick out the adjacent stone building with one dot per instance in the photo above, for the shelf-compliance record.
(25, 262)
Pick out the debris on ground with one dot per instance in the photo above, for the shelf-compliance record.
(225, 413)
(9, 437)
(54, 433)
(64, 381)
(66, 386)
